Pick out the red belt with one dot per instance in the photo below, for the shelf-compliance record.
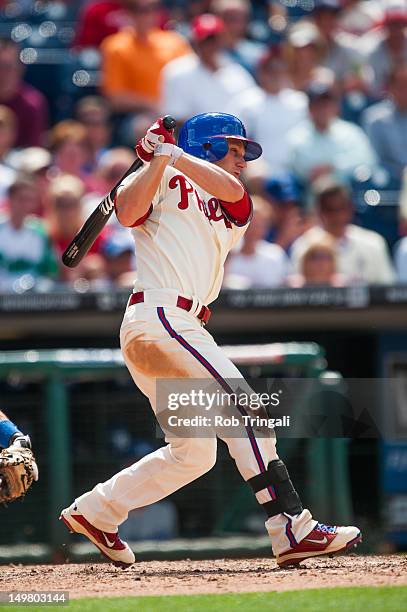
(182, 302)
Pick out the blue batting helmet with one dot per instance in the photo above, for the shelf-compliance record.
(205, 136)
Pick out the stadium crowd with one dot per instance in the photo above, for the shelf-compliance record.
(321, 84)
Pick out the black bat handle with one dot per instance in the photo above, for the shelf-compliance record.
(169, 123)
(92, 227)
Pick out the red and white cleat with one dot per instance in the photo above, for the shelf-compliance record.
(109, 544)
(322, 540)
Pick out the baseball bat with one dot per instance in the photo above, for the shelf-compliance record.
(96, 221)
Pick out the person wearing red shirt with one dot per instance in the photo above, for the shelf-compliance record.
(100, 19)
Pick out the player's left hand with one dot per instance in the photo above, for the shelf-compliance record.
(155, 135)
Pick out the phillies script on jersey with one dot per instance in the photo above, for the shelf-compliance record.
(183, 240)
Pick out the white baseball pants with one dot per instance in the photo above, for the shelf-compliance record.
(163, 341)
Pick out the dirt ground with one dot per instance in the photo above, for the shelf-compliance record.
(210, 576)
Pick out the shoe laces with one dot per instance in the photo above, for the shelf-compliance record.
(325, 528)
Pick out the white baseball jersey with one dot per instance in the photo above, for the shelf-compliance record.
(183, 241)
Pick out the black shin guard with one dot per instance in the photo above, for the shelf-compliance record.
(287, 499)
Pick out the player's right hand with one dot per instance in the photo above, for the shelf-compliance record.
(155, 134)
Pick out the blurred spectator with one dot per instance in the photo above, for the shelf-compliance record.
(289, 220)
(111, 167)
(254, 176)
(65, 218)
(325, 143)
(236, 15)
(362, 254)
(133, 59)
(194, 8)
(26, 254)
(207, 80)
(341, 50)
(359, 16)
(27, 103)
(271, 109)
(35, 162)
(303, 51)
(100, 19)
(134, 128)
(94, 114)
(117, 249)
(68, 144)
(8, 134)
(318, 265)
(257, 263)
(386, 124)
(389, 47)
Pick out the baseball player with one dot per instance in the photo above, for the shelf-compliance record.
(18, 468)
(188, 208)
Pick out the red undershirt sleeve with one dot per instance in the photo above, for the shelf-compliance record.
(140, 220)
(156, 198)
(239, 213)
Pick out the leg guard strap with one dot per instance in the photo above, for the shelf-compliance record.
(287, 499)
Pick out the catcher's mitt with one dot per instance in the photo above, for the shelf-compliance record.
(17, 472)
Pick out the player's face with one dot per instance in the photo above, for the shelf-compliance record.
(234, 161)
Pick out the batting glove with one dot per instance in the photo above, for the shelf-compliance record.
(168, 150)
(155, 135)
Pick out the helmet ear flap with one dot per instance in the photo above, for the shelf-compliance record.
(216, 148)
(206, 151)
